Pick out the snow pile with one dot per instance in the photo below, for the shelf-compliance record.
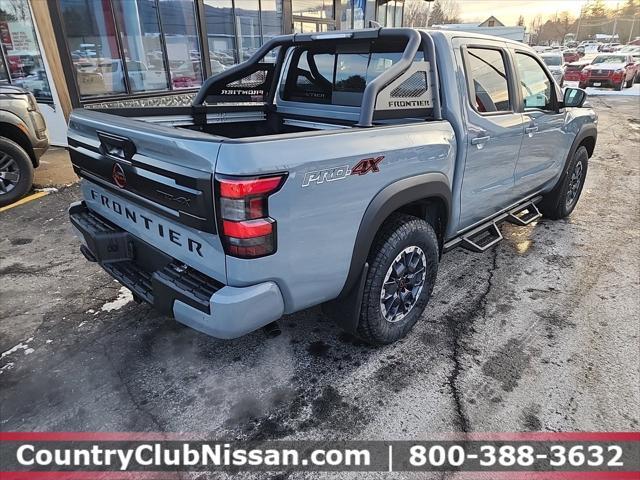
(124, 296)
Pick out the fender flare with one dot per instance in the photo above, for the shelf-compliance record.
(588, 130)
(346, 307)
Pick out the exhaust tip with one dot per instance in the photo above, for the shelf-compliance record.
(272, 330)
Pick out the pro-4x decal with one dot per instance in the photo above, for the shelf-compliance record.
(363, 167)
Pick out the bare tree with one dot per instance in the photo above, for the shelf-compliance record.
(418, 13)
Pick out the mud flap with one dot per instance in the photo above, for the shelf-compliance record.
(345, 310)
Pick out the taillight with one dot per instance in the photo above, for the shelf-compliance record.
(247, 230)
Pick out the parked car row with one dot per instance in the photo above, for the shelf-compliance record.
(617, 70)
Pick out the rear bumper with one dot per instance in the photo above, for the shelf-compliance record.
(191, 297)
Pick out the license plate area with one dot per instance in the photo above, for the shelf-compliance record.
(597, 84)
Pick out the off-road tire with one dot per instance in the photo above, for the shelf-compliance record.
(398, 233)
(10, 150)
(555, 204)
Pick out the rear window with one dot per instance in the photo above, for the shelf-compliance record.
(338, 78)
(609, 59)
(487, 72)
(552, 61)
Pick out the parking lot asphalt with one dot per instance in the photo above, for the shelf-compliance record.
(541, 333)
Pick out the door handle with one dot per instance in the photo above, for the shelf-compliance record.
(480, 140)
(531, 130)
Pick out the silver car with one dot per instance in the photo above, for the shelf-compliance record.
(555, 62)
(23, 140)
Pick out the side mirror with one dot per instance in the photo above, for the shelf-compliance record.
(574, 97)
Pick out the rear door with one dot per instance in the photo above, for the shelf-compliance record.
(495, 130)
(545, 143)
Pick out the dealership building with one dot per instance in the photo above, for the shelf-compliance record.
(103, 53)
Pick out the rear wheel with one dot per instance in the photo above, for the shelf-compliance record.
(561, 201)
(16, 172)
(403, 267)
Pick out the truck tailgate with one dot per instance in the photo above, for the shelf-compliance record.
(153, 181)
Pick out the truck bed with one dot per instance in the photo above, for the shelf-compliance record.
(227, 121)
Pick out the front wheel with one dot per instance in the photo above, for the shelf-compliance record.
(403, 268)
(629, 83)
(620, 87)
(560, 202)
(16, 172)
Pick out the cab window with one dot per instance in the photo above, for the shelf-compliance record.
(537, 88)
(487, 73)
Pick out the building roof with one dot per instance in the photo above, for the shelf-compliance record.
(487, 22)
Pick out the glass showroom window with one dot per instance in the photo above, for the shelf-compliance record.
(181, 39)
(21, 62)
(220, 34)
(390, 13)
(350, 13)
(271, 17)
(92, 42)
(132, 46)
(312, 15)
(236, 29)
(141, 44)
(248, 27)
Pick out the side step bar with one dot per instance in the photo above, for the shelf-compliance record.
(482, 239)
(486, 235)
(524, 215)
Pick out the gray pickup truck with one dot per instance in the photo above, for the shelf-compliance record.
(336, 175)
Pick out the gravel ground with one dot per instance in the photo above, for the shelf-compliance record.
(541, 333)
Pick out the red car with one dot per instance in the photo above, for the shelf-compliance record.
(609, 70)
(572, 70)
(571, 56)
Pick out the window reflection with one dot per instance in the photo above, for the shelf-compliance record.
(220, 34)
(271, 18)
(248, 25)
(142, 46)
(24, 65)
(132, 46)
(181, 40)
(390, 13)
(313, 8)
(91, 37)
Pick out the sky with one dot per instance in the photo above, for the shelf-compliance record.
(508, 11)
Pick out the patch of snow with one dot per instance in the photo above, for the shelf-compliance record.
(29, 351)
(81, 324)
(124, 296)
(91, 310)
(20, 346)
(49, 340)
(8, 366)
(47, 189)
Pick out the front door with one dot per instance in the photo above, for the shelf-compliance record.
(545, 143)
(495, 130)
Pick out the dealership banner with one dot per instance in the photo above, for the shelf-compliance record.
(81, 455)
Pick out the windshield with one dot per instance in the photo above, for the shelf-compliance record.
(609, 59)
(552, 60)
